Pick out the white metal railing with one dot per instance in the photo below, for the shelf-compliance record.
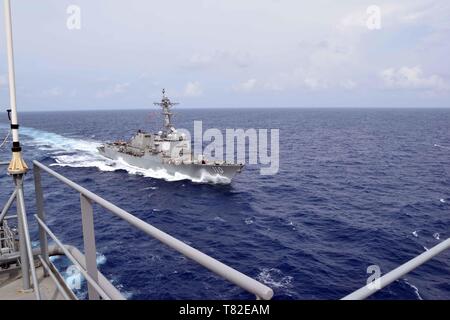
(7, 238)
(56, 281)
(90, 278)
(399, 272)
(87, 198)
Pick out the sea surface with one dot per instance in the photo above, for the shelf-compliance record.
(356, 187)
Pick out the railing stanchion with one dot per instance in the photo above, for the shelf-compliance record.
(41, 214)
(7, 206)
(87, 217)
(24, 265)
(22, 215)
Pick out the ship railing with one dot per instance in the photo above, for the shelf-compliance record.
(90, 272)
(378, 284)
(6, 238)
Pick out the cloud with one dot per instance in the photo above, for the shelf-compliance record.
(348, 84)
(412, 78)
(298, 78)
(220, 58)
(52, 92)
(296, 48)
(3, 80)
(193, 89)
(246, 86)
(314, 83)
(114, 90)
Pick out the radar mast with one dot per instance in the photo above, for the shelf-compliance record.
(166, 105)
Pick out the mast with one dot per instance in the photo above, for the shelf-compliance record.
(17, 165)
(166, 105)
(18, 168)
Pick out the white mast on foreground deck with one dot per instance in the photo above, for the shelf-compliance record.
(17, 168)
(17, 165)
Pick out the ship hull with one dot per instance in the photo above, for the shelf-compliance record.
(195, 171)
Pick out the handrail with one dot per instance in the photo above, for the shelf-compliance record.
(72, 258)
(25, 241)
(112, 291)
(55, 280)
(399, 272)
(8, 205)
(251, 285)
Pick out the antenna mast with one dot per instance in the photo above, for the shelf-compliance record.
(17, 168)
(17, 165)
(166, 104)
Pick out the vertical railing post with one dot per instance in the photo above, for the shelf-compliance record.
(87, 217)
(41, 214)
(22, 214)
(24, 264)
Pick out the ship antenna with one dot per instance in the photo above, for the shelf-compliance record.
(166, 106)
(17, 166)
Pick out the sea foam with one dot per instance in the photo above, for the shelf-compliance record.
(83, 153)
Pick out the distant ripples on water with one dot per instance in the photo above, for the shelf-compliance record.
(355, 188)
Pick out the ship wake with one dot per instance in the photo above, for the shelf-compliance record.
(82, 153)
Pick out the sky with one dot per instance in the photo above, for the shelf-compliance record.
(229, 54)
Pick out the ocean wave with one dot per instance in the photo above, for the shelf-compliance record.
(248, 221)
(74, 279)
(126, 294)
(217, 218)
(274, 278)
(50, 141)
(442, 147)
(416, 290)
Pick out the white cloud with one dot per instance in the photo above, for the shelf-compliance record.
(220, 58)
(434, 14)
(412, 78)
(52, 92)
(391, 14)
(73, 93)
(116, 89)
(246, 86)
(193, 89)
(3, 80)
(271, 46)
(348, 84)
(314, 83)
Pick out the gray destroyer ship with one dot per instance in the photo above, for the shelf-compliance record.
(169, 150)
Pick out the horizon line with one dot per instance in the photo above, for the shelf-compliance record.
(227, 108)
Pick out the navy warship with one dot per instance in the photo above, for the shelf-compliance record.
(169, 150)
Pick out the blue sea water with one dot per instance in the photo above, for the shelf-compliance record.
(356, 187)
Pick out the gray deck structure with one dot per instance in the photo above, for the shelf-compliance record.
(11, 286)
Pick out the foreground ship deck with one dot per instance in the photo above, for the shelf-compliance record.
(11, 286)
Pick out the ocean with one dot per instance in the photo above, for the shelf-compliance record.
(356, 187)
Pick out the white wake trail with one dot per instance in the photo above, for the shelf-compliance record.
(82, 153)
